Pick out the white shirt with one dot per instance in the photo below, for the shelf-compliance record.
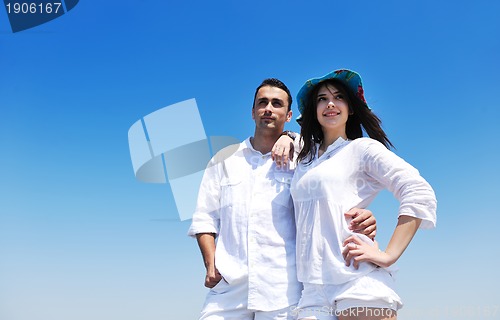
(349, 174)
(245, 199)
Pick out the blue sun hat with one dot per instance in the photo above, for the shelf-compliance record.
(350, 78)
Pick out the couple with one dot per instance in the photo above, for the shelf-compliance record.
(284, 239)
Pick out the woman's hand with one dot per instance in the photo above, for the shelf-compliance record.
(359, 251)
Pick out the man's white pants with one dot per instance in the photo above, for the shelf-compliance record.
(230, 302)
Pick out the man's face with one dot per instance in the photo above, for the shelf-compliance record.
(270, 110)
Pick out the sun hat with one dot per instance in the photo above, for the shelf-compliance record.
(350, 78)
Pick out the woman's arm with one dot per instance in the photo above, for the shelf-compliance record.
(384, 169)
(360, 251)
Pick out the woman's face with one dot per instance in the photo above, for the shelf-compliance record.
(332, 109)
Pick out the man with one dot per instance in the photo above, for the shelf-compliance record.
(244, 201)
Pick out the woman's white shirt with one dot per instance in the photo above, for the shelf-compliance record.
(349, 174)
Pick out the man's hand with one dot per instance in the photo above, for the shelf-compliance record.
(282, 151)
(212, 278)
(362, 222)
(206, 241)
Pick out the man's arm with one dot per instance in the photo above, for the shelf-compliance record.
(206, 242)
(283, 149)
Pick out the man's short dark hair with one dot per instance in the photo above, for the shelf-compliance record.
(273, 82)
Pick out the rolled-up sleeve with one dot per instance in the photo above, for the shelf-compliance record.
(416, 196)
(206, 218)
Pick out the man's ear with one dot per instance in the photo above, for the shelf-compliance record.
(289, 116)
(253, 115)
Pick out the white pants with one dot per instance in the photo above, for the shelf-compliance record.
(326, 302)
(230, 302)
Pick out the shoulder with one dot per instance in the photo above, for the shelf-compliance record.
(226, 153)
(369, 148)
(365, 144)
(221, 157)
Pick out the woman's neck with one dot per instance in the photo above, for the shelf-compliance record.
(328, 139)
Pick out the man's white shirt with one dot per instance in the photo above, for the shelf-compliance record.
(245, 199)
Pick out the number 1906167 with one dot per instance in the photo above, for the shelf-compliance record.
(33, 8)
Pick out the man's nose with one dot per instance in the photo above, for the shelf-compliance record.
(269, 107)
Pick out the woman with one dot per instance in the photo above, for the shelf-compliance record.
(346, 275)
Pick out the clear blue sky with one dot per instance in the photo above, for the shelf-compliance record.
(81, 238)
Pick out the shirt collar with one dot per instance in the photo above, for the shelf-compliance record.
(336, 144)
(248, 144)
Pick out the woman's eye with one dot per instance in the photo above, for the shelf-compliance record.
(339, 97)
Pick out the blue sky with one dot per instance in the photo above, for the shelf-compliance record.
(81, 238)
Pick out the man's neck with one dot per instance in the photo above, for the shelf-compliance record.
(264, 141)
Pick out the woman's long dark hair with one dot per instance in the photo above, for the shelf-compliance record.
(360, 117)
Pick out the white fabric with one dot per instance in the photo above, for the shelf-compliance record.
(327, 302)
(349, 174)
(229, 301)
(245, 199)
